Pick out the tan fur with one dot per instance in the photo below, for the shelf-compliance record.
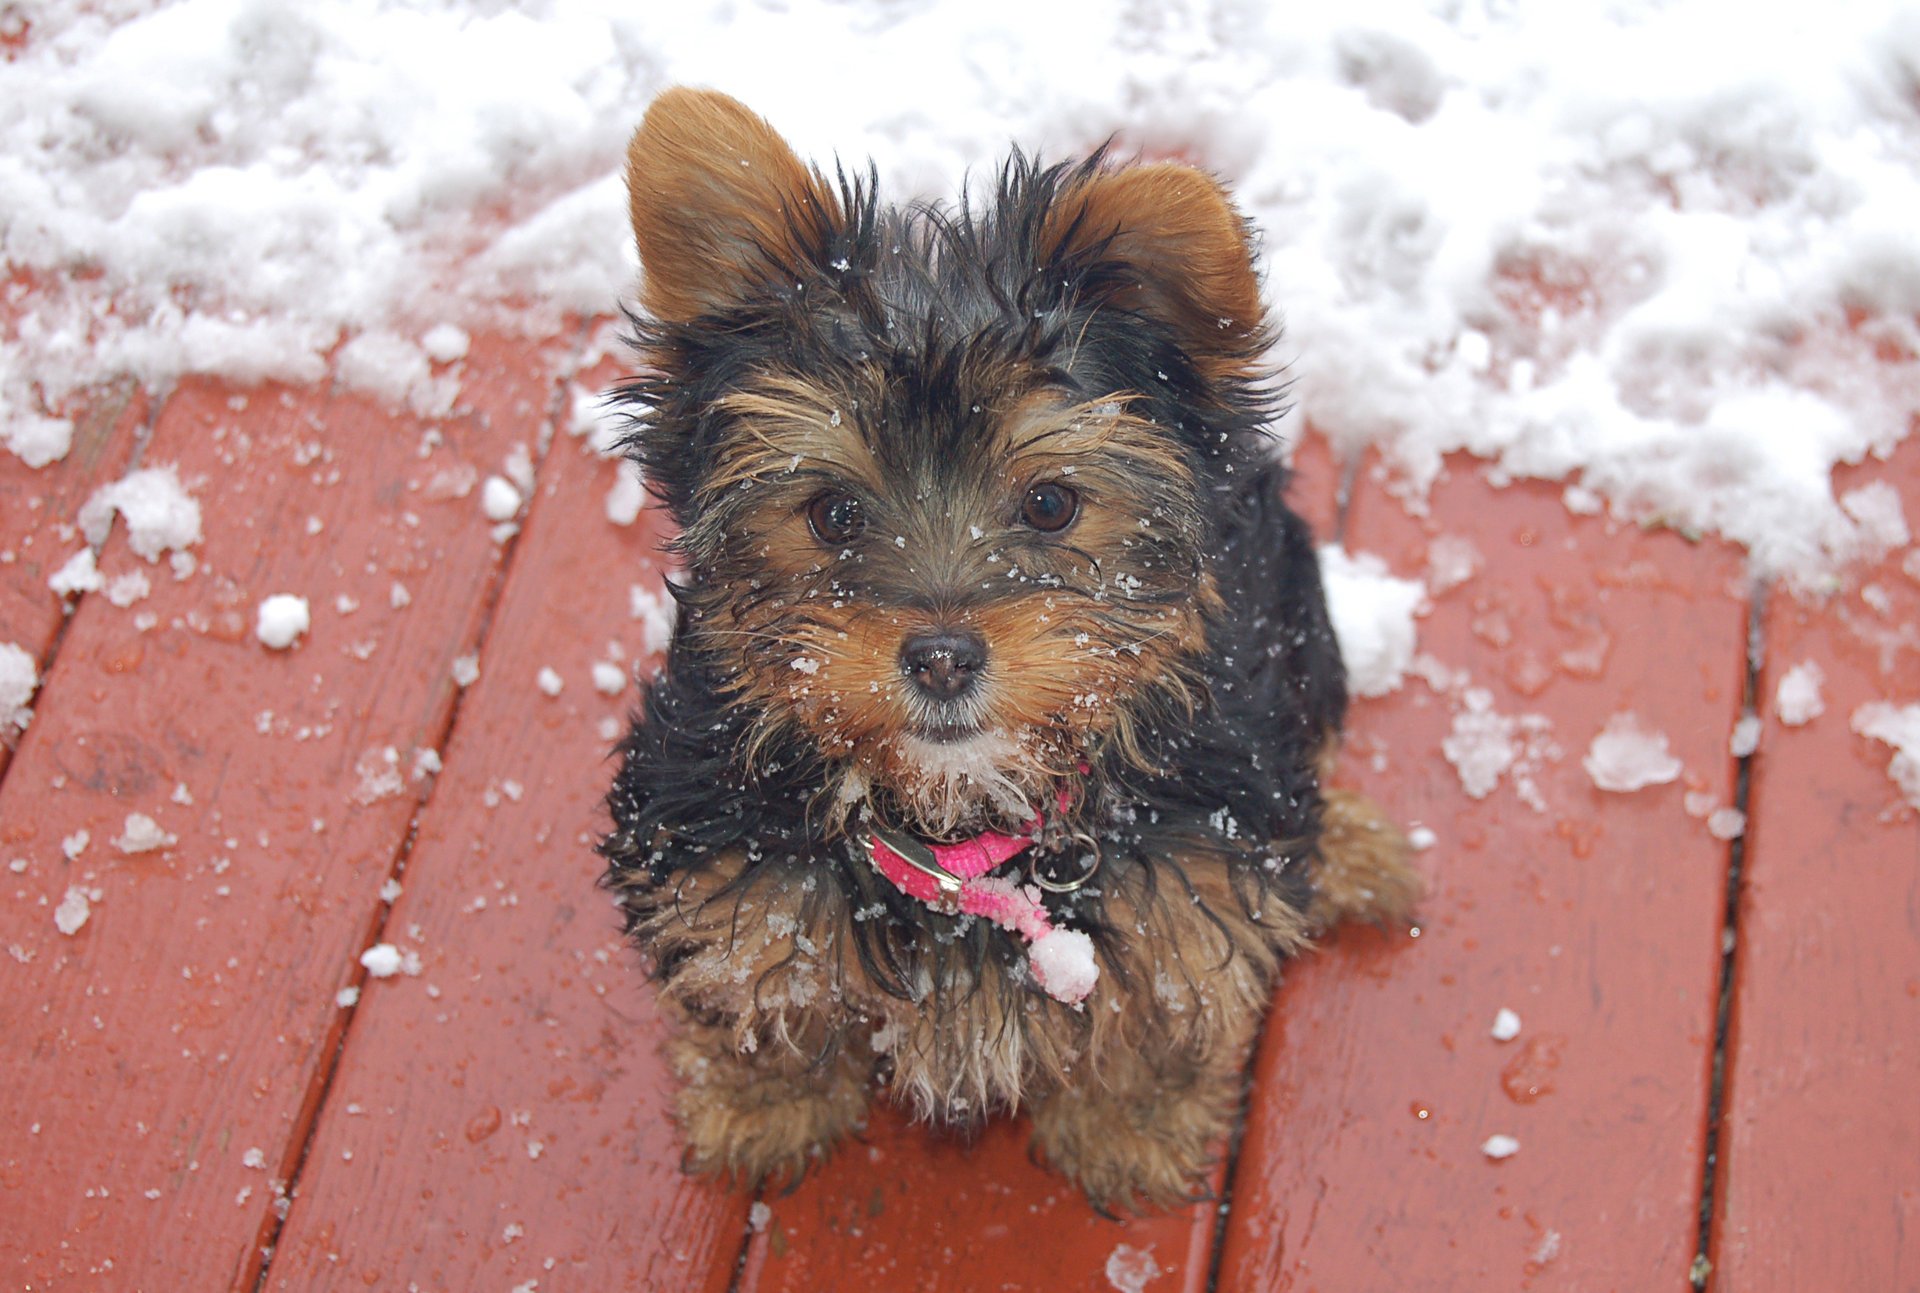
(1180, 223)
(1365, 870)
(710, 187)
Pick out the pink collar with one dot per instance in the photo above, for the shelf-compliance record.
(953, 879)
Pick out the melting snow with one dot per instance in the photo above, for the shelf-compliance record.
(1625, 756)
(1129, 1269)
(1797, 699)
(73, 911)
(143, 835)
(1899, 727)
(159, 514)
(19, 678)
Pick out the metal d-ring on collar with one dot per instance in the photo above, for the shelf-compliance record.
(1065, 886)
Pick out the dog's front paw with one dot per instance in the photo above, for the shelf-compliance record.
(755, 1121)
(1152, 1148)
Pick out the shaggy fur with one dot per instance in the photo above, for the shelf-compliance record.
(1160, 683)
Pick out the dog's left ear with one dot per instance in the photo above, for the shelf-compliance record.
(1181, 252)
(720, 205)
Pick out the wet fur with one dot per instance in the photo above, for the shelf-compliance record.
(1093, 323)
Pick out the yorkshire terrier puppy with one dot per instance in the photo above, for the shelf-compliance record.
(986, 767)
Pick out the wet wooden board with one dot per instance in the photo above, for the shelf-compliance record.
(1820, 1162)
(38, 525)
(1595, 916)
(162, 1062)
(906, 1207)
(502, 1117)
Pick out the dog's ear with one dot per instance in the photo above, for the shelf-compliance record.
(720, 205)
(1172, 247)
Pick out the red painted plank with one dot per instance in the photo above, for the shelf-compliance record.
(37, 510)
(503, 1117)
(1596, 919)
(1820, 1161)
(161, 1060)
(904, 1207)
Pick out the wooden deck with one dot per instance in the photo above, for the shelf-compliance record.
(198, 1102)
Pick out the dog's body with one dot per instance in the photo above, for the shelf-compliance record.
(984, 541)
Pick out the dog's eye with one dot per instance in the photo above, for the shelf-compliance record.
(835, 518)
(1050, 507)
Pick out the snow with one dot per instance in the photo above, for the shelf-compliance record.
(1797, 699)
(549, 682)
(1372, 614)
(73, 911)
(125, 589)
(1899, 727)
(1726, 823)
(1498, 1147)
(1746, 736)
(143, 835)
(465, 670)
(1481, 744)
(283, 617)
(382, 960)
(1506, 1025)
(499, 499)
(1626, 756)
(19, 679)
(1129, 1269)
(159, 514)
(609, 679)
(445, 343)
(78, 575)
(1604, 245)
(1063, 962)
(656, 613)
(759, 1216)
(626, 498)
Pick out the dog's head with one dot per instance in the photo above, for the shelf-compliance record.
(945, 477)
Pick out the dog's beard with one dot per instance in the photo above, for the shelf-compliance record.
(942, 789)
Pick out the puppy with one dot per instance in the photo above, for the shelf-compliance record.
(986, 767)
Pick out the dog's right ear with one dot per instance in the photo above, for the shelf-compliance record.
(720, 205)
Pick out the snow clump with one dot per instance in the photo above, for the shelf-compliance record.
(282, 619)
(1372, 614)
(1626, 756)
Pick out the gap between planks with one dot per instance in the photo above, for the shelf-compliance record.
(1700, 1276)
(123, 394)
(257, 1266)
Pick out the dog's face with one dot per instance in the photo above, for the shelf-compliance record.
(943, 479)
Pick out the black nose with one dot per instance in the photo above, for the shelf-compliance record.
(944, 665)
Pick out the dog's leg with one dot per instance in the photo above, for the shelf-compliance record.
(1144, 1129)
(765, 1112)
(1168, 1035)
